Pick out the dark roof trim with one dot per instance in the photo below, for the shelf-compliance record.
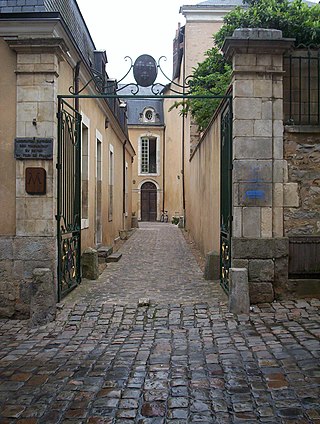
(34, 16)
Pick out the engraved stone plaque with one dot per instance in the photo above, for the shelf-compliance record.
(33, 148)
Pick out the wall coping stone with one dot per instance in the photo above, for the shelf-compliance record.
(304, 129)
(256, 33)
(39, 45)
(256, 40)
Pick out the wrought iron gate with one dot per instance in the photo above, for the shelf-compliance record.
(69, 198)
(69, 160)
(226, 194)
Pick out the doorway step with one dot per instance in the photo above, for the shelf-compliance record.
(114, 257)
(103, 253)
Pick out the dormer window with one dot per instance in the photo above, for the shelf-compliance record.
(149, 115)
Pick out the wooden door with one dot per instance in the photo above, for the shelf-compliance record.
(148, 202)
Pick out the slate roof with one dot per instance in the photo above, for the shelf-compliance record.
(68, 10)
(136, 106)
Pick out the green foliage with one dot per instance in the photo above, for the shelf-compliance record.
(296, 20)
(212, 76)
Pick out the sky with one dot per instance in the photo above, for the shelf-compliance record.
(131, 28)
(134, 27)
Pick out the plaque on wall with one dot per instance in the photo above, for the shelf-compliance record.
(36, 180)
(33, 148)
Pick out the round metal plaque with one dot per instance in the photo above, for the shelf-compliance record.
(145, 70)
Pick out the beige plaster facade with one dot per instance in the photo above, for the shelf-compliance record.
(204, 212)
(156, 177)
(173, 161)
(195, 38)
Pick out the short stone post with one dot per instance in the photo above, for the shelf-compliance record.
(90, 264)
(212, 267)
(43, 298)
(134, 222)
(239, 302)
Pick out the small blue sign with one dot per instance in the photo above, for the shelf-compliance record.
(255, 194)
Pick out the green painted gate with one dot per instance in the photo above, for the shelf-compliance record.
(69, 198)
(226, 194)
(69, 181)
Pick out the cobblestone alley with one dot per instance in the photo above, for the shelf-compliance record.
(180, 359)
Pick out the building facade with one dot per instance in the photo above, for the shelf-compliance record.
(46, 51)
(147, 134)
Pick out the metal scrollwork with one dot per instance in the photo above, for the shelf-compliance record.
(69, 248)
(145, 70)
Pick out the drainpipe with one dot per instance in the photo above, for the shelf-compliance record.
(163, 168)
(124, 183)
(183, 132)
(76, 84)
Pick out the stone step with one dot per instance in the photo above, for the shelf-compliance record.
(104, 252)
(115, 257)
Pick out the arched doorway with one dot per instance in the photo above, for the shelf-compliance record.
(148, 202)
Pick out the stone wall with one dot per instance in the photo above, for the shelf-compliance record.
(267, 263)
(302, 153)
(19, 256)
(259, 180)
(34, 243)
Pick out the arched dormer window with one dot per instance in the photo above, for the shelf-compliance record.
(149, 115)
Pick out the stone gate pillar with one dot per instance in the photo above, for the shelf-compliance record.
(259, 171)
(34, 245)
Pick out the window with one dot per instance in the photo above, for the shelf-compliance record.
(85, 172)
(149, 115)
(111, 182)
(148, 155)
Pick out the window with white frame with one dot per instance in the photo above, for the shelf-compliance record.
(149, 115)
(85, 172)
(148, 155)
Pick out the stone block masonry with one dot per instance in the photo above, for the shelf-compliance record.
(267, 264)
(19, 256)
(34, 244)
(302, 194)
(260, 186)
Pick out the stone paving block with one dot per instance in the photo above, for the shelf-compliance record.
(182, 358)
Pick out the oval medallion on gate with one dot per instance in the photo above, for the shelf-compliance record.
(145, 70)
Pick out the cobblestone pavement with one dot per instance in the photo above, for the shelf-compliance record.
(181, 359)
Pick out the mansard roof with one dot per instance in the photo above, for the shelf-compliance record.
(136, 106)
(68, 10)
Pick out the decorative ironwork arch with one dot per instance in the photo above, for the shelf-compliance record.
(69, 151)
